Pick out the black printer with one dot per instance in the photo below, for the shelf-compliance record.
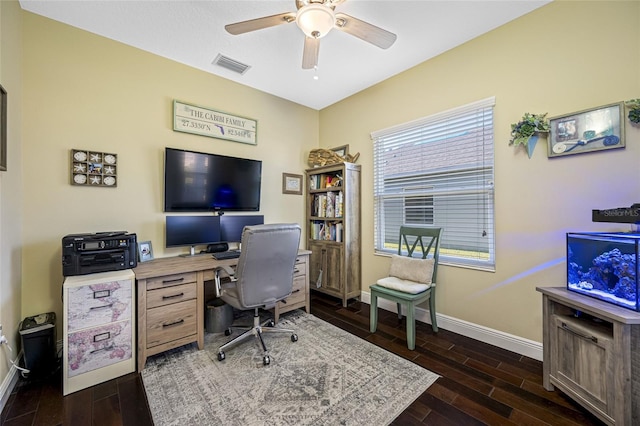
(100, 252)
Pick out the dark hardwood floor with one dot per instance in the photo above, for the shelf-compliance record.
(480, 384)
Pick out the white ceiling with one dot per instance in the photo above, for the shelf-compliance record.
(192, 33)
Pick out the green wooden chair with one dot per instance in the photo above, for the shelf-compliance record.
(411, 280)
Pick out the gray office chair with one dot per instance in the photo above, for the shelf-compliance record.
(263, 276)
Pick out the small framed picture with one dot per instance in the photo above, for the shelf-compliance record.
(291, 184)
(342, 151)
(145, 251)
(590, 130)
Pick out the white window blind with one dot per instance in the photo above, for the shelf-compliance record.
(438, 170)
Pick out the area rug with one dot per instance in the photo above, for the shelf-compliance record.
(327, 377)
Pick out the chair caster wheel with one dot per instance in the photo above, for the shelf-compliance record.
(228, 332)
(271, 323)
(294, 337)
(221, 356)
(266, 360)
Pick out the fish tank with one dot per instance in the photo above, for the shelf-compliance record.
(604, 266)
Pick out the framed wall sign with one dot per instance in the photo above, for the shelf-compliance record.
(586, 131)
(291, 184)
(214, 124)
(3, 129)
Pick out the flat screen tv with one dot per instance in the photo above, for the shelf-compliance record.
(191, 231)
(201, 182)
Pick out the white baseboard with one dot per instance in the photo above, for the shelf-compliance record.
(8, 384)
(497, 338)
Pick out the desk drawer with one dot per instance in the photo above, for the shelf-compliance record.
(169, 295)
(99, 347)
(297, 294)
(171, 322)
(300, 269)
(97, 304)
(171, 280)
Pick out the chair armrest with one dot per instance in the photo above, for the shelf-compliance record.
(228, 270)
(223, 270)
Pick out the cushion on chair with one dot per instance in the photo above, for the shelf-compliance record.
(405, 286)
(411, 269)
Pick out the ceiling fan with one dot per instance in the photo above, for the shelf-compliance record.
(316, 18)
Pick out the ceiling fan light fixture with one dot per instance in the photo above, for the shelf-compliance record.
(315, 20)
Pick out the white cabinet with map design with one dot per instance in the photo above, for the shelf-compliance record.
(98, 328)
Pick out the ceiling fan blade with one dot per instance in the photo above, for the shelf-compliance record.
(365, 31)
(310, 53)
(260, 23)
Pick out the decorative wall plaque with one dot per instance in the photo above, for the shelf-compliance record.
(214, 124)
(92, 168)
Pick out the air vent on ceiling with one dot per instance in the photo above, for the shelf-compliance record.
(231, 64)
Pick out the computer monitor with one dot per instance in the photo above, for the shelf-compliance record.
(192, 231)
(231, 226)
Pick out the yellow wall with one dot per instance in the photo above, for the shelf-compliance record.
(561, 58)
(84, 91)
(88, 92)
(11, 185)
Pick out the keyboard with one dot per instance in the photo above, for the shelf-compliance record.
(231, 254)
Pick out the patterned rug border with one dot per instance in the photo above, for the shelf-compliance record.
(328, 377)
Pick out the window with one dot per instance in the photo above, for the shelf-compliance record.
(438, 170)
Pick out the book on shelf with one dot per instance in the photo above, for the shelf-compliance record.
(326, 231)
(339, 204)
(324, 181)
(328, 205)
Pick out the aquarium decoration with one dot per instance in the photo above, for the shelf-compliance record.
(604, 266)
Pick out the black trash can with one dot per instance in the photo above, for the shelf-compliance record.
(38, 335)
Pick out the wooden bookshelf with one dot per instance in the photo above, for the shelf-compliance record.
(333, 223)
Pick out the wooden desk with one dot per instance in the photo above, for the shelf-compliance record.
(171, 303)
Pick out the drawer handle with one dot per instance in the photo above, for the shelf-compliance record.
(106, 348)
(296, 270)
(172, 297)
(294, 291)
(594, 339)
(101, 307)
(177, 280)
(173, 323)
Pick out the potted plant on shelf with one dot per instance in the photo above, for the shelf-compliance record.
(634, 110)
(526, 131)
